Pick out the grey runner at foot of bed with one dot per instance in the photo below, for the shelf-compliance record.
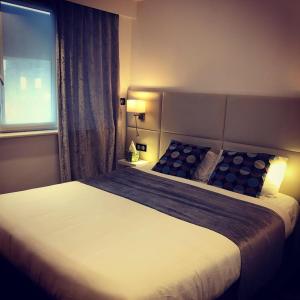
(257, 231)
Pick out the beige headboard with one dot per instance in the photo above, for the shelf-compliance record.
(251, 123)
(266, 121)
(266, 124)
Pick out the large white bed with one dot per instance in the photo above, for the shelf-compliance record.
(79, 242)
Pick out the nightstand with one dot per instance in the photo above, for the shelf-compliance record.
(125, 163)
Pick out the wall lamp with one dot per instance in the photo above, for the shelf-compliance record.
(138, 108)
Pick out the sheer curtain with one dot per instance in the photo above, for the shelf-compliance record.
(88, 91)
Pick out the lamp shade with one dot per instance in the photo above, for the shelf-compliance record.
(275, 174)
(136, 106)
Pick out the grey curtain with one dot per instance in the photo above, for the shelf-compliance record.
(90, 137)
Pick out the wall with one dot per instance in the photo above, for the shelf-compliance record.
(28, 162)
(232, 46)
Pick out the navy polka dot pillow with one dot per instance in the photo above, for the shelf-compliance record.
(181, 160)
(241, 172)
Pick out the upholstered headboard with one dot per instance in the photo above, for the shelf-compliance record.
(252, 123)
(266, 124)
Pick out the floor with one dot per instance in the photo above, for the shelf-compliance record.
(11, 291)
(290, 292)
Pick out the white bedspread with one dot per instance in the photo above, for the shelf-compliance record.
(79, 242)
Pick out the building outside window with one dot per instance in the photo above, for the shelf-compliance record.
(27, 88)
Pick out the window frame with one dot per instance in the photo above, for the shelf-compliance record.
(9, 128)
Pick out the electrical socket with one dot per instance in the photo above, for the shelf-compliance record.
(141, 147)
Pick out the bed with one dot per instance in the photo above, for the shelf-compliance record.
(77, 241)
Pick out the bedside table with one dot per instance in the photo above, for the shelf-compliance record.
(125, 163)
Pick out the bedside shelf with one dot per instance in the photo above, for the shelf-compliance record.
(139, 163)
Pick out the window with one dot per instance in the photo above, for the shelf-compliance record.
(28, 93)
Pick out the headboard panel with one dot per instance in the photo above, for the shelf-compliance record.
(149, 137)
(149, 129)
(153, 109)
(250, 123)
(196, 115)
(266, 121)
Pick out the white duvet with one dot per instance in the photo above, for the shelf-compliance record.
(79, 242)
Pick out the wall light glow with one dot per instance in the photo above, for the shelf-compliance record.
(136, 106)
(276, 173)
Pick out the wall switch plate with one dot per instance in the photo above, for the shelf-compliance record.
(141, 147)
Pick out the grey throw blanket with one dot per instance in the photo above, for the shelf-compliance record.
(257, 231)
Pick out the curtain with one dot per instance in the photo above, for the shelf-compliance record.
(90, 137)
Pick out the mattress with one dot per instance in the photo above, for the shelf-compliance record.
(79, 242)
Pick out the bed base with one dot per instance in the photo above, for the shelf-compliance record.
(15, 285)
(287, 274)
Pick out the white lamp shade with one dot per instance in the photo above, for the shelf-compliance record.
(136, 106)
(275, 176)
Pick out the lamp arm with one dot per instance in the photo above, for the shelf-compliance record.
(136, 127)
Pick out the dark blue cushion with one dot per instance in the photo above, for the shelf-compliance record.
(181, 159)
(241, 172)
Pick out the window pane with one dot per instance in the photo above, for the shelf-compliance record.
(29, 73)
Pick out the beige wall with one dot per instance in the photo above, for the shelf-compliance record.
(232, 46)
(28, 162)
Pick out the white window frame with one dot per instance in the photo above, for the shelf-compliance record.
(34, 126)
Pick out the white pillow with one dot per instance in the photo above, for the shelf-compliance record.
(275, 176)
(207, 166)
